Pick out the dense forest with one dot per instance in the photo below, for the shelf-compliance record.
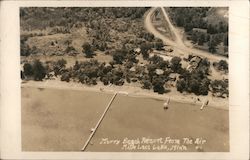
(200, 28)
(42, 17)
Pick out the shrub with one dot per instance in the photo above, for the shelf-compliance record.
(119, 56)
(39, 71)
(28, 69)
(87, 50)
(25, 49)
(158, 85)
(66, 77)
(59, 66)
(181, 85)
(146, 84)
(175, 64)
(219, 88)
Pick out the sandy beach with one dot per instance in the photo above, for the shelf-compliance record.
(133, 91)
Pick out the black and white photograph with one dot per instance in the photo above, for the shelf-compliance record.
(135, 79)
(117, 79)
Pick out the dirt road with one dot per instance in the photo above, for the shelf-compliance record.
(178, 38)
(178, 45)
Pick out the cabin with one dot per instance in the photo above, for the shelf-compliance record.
(159, 71)
(173, 76)
(199, 30)
(193, 63)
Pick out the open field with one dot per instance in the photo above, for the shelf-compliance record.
(61, 119)
(70, 59)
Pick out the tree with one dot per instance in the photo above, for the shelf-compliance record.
(179, 21)
(194, 37)
(158, 44)
(59, 66)
(25, 49)
(146, 84)
(117, 77)
(204, 87)
(222, 27)
(103, 46)
(66, 77)
(70, 50)
(158, 85)
(34, 50)
(223, 65)
(211, 29)
(128, 79)
(87, 50)
(155, 59)
(219, 88)
(181, 85)
(39, 70)
(27, 69)
(105, 80)
(61, 63)
(163, 64)
(76, 66)
(194, 86)
(188, 26)
(145, 47)
(175, 64)
(212, 45)
(148, 36)
(204, 66)
(195, 82)
(68, 42)
(151, 70)
(201, 39)
(119, 56)
(131, 57)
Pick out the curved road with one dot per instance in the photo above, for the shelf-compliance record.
(178, 43)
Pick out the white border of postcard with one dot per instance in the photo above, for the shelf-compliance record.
(238, 82)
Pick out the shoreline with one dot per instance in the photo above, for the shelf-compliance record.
(132, 91)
